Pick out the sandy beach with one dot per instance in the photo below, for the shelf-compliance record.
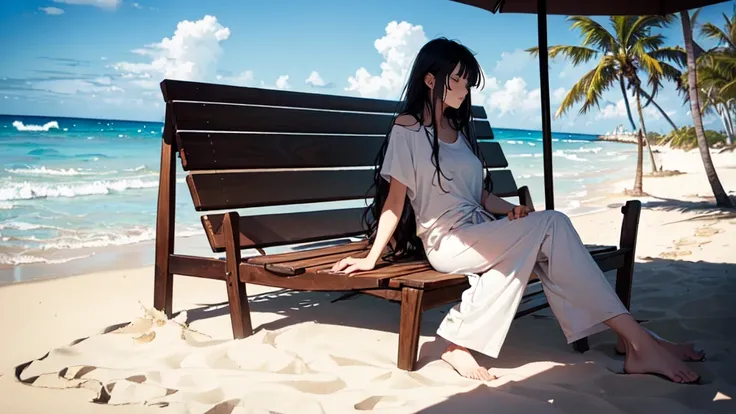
(313, 356)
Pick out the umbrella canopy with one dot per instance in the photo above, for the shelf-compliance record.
(592, 8)
(574, 7)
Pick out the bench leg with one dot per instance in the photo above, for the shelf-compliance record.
(629, 231)
(410, 323)
(236, 294)
(163, 279)
(581, 345)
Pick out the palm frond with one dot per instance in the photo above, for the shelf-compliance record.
(714, 32)
(593, 33)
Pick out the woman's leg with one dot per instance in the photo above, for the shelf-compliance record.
(685, 352)
(584, 302)
(581, 298)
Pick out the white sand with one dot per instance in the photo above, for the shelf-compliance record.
(313, 356)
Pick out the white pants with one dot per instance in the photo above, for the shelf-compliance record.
(505, 253)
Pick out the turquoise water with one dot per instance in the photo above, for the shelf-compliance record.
(69, 186)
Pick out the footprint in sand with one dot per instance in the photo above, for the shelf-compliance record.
(673, 254)
(706, 231)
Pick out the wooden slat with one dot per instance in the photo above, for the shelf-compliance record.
(242, 189)
(504, 184)
(598, 248)
(175, 90)
(280, 229)
(430, 279)
(257, 189)
(223, 151)
(204, 267)
(258, 275)
(611, 260)
(297, 267)
(382, 271)
(222, 117)
(308, 254)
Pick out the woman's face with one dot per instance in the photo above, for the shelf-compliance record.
(456, 88)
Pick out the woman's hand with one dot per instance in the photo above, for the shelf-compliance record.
(350, 264)
(518, 212)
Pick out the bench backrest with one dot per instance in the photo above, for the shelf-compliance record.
(249, 147)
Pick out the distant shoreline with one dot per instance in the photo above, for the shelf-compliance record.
(624, 138)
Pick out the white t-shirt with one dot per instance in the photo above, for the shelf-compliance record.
(437, 209)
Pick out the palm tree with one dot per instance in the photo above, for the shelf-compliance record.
(630, 50)
(717, 73)
(722, 199)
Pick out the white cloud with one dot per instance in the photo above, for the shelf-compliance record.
(52, 11)
(618, 110)
(613, 111)
(315, 80)
(245, 78)
(558, 95)
(283, 82)
(514, 97)
(103, 4)
(651, 112)
(398, 47)
(136, 5)
(190, 54)
(513, 62)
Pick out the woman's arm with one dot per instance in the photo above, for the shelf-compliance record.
(387, 223)
(494, 204)
(389, 219)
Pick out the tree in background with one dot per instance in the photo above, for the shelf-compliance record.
(626, 54)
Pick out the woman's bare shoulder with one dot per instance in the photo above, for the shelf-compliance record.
(407, 121)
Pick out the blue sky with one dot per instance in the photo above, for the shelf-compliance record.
(104, 58)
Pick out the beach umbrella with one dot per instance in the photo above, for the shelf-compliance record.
(542, 8)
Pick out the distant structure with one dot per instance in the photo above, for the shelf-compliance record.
(619, 134)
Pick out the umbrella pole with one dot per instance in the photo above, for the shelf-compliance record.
(549, 199)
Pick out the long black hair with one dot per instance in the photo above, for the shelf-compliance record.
(438, 57)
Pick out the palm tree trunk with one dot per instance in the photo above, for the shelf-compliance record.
(722, 199)
(626, 101)
(726, 121)
(729, 131)
(661, 111)
(638, 185)
(644, 130)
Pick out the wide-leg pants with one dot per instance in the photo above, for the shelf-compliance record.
(499, 257)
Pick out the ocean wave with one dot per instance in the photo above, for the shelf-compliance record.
(42, 170)
(29, 191)
(20, 126)
(24, 226)
(37, 250)
(528, 155)
(21, 259)
(554, 174)
(70, 172)
(107, 239)
(565, 155)
(593, 150)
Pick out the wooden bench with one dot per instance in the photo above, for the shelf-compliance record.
(249, 147)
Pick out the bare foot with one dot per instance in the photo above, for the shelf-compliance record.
(655, 359)
(464, 363)
(685, 352)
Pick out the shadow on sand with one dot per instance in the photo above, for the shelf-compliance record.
(691, 301)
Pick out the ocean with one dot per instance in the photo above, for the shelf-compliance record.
(69, 187)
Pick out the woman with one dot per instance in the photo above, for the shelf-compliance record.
(431, 157)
